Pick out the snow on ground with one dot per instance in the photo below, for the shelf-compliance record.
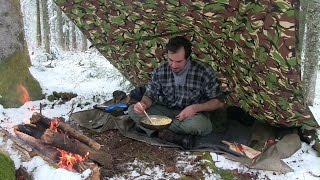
(305, 163)
(76, 72)
(87, 74)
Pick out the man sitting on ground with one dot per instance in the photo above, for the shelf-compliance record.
(182, 89)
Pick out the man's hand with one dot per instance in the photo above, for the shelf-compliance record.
(187, 112)
(139, 107)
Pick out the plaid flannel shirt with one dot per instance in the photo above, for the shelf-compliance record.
(201, 85)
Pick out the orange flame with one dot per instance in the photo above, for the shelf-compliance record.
(54, 124)
(69, 160)
(24, 94)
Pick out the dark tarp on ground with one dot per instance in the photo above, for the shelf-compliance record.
(235, 131)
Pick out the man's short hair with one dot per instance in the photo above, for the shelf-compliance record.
(177, 42)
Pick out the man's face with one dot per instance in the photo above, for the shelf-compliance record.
(177, 61)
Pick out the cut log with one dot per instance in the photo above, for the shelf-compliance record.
(28, 147)
(72, 145)
(24, 150)
(30, 129)
(50, 154)
(43, 121)
(67, 129)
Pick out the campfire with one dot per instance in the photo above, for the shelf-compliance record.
(62, 145)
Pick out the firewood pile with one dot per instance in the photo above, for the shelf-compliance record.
(60, 145)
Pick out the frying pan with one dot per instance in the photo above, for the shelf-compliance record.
(155, 119)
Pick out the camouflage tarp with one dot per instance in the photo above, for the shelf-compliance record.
(252, 45)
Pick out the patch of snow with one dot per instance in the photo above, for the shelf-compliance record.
(305, 163)
(140, 170)
(41, 170)
(14, 156)
(84, 73)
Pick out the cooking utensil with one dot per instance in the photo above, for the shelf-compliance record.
(150, 122)
(157, 122)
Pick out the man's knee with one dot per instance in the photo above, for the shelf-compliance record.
(200, 129)
(198, 125)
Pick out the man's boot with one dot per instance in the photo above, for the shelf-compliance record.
(186, 141)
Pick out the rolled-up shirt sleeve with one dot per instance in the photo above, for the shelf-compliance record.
(153, 87)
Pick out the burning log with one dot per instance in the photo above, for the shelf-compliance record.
(30, 130)
(72, 145)
(43, 121)
(48, 153)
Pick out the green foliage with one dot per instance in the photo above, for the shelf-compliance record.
(60, 2)
(14, 72)
(64, 96)
(7, 171)
(209, 163)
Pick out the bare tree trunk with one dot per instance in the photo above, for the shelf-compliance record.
(16, 83)
(45, 25)
(38, 24)
(73, 36)
(84, 42)
(59, 28)
(67, 36)
(311, 50)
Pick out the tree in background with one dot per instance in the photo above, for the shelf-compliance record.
(16, 83)
(45, 26)
(38, 24)
(66, 34)
(310, 30)
(73, 36)
(84, 42)
(59, 28)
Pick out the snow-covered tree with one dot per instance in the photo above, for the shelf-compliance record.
(73, 36)
(59, 28)
(38, 23)
(45, 26)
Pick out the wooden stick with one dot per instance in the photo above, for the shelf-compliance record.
(50, 154)
(150, 122)
(67, 129)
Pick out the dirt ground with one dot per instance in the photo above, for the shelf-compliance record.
(125, 150)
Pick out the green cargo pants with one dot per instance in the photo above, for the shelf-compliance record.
(196, 125)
